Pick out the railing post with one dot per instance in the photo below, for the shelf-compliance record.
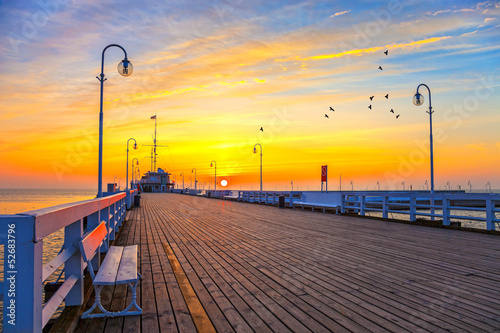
(446, 211)
(490, 225)
(362, 205)
(129, 202)
(291, 200)
(413, 209)
(385, 206)
(22, 299)
(74, 265)
(342, 204)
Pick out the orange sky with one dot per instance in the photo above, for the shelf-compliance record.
(213, 80)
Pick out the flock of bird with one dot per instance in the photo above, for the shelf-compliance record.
(371, 97)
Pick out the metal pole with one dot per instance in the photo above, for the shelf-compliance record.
(261, 168)
(255, 150)
(99, 187)
(126, 186)
(431, 144)
(215, 165)
(155, 146)
(101, 117)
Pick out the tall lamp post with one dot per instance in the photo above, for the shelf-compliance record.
(135, 147)
(195, 181)
(215, 164)
(255, 152)
(182, 174)
(125, 68)
(136, 163)
(418, 100)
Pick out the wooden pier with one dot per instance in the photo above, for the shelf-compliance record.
(213, 265)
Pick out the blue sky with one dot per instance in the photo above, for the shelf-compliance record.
(216, 70)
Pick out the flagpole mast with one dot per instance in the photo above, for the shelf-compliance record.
(155, 144)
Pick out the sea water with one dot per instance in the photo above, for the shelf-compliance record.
(14, 201)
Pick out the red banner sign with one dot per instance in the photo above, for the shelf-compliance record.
(324, 172)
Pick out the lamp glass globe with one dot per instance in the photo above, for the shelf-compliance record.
(418, 99)
(125, 68)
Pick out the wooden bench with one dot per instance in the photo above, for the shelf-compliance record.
(314, 205)
(119, 267)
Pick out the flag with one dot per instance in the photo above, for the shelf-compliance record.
(153, 117)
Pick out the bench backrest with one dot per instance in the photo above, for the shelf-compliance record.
(92, 241)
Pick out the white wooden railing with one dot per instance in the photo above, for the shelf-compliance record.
(418, 204)
(445, 206)
(22, 236)
(269, 197)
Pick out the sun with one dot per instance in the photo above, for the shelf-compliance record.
(223, 182)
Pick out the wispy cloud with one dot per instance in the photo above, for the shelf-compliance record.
(358, 52)
(341, 13)
(441, 12)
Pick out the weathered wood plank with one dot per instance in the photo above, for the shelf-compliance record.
(258, 268)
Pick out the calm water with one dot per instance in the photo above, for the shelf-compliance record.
(13, 201)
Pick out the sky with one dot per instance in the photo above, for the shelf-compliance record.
(215, 72)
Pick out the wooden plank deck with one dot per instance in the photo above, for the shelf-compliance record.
(256, 268)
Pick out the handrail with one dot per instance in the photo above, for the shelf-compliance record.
(22, 236)
(412, 204)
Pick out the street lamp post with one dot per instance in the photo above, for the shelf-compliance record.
(255, 151)
(195, 181)
(135, 147)
(418, 100)
(352, 186)
(378, 183)
(136, 163)
(182, 174)
(214, 163)
(470, 186)
(403, 183)
(125, 68)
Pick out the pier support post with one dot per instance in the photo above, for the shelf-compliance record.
(22, 294)
(342, 204)
(362, 205)
(490, 225)
(385, 213)
(413, 209)
(446, 211)
(74, 265)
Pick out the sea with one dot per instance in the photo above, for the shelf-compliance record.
(14, 201)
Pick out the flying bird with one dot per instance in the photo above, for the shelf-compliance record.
(370, 107)
(392, 111)
(326, 116)
(380, 67)
(387, 96)
(331, 109)
(397, 116)
(371, 98)
(386, 52)
(262, 129)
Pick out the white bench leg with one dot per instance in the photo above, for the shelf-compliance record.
(133, 303)
(97, 303)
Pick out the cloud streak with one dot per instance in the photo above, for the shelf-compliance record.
(340, 13)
